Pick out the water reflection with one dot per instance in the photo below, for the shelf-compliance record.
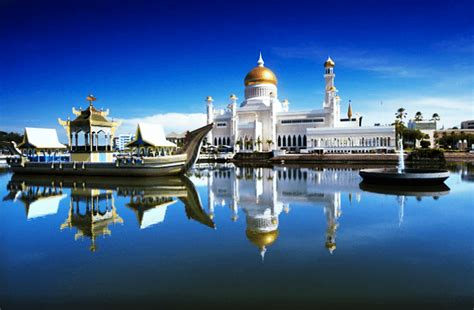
(92, 210)
(262, 195)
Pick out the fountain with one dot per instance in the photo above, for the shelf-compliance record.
(403, 176)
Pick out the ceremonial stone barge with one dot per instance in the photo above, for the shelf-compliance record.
(90, 152)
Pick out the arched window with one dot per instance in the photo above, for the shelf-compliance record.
(304, 140)
(284, 141)
(220, 141)
(294, 140)
(215, 141)
(279, 141)
(228, 141)
(289, 140)
(299, 141)
(388, 141)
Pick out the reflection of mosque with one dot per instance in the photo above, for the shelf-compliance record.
(263, 194)
(91, 212)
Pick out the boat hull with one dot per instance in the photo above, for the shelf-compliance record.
(408, 177)
(166, 167)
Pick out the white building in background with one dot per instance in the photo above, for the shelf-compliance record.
(122, 140)
(262, 122)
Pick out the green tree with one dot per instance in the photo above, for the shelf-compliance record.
(400, 115)
(435, 117)
(418, 116)
(269, 142)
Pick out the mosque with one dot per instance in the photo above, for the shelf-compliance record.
(261, 122)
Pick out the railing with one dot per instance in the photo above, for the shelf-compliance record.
(87, 148)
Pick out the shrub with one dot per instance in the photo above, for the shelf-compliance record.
(425, 144)
(426, 154)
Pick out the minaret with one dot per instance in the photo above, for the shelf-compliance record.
(210, 117)
(329, 78)
(331, 100)
(233, 121)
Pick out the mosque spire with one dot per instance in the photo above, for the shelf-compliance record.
(260, 61)
(349, 111)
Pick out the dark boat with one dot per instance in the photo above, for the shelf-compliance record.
(406, 177)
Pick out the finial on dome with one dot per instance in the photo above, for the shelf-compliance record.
(329, 63)
(260, 61)
(349, 111)
(209, 99)
(91, 98)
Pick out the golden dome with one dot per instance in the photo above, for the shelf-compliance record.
(260, 75)
(262, 239)
(329, 63)
(332, 88)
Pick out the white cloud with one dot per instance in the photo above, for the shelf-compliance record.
(178, 122)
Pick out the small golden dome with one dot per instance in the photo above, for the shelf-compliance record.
(209, 98)
(260, 75)
(329, 63)
(332, 88)
(262, 239)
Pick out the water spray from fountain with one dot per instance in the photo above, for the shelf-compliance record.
(401, 159)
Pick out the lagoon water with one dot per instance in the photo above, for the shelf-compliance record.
(233, 237)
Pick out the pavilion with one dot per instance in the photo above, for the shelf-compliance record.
(150, 140)
(41, 144)
(90, 134)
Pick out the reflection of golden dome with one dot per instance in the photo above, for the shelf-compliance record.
(329, 63)
(260, 75)
(331, 246)
(262, 239)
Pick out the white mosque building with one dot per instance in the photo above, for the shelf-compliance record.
(261, 122)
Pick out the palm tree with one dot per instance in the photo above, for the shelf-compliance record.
(418, 116)
(435, 117)
(258, 143)
(400, 115)
(399, 125)
(269, 142)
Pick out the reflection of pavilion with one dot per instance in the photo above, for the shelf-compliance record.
(263, 194)
(149, 207)
(92, 208)
(39, 200)
(91, 212)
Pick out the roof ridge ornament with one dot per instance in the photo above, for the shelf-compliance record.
(91, 98)
(260, 61)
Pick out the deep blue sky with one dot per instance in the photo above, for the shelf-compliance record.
(142, 58)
